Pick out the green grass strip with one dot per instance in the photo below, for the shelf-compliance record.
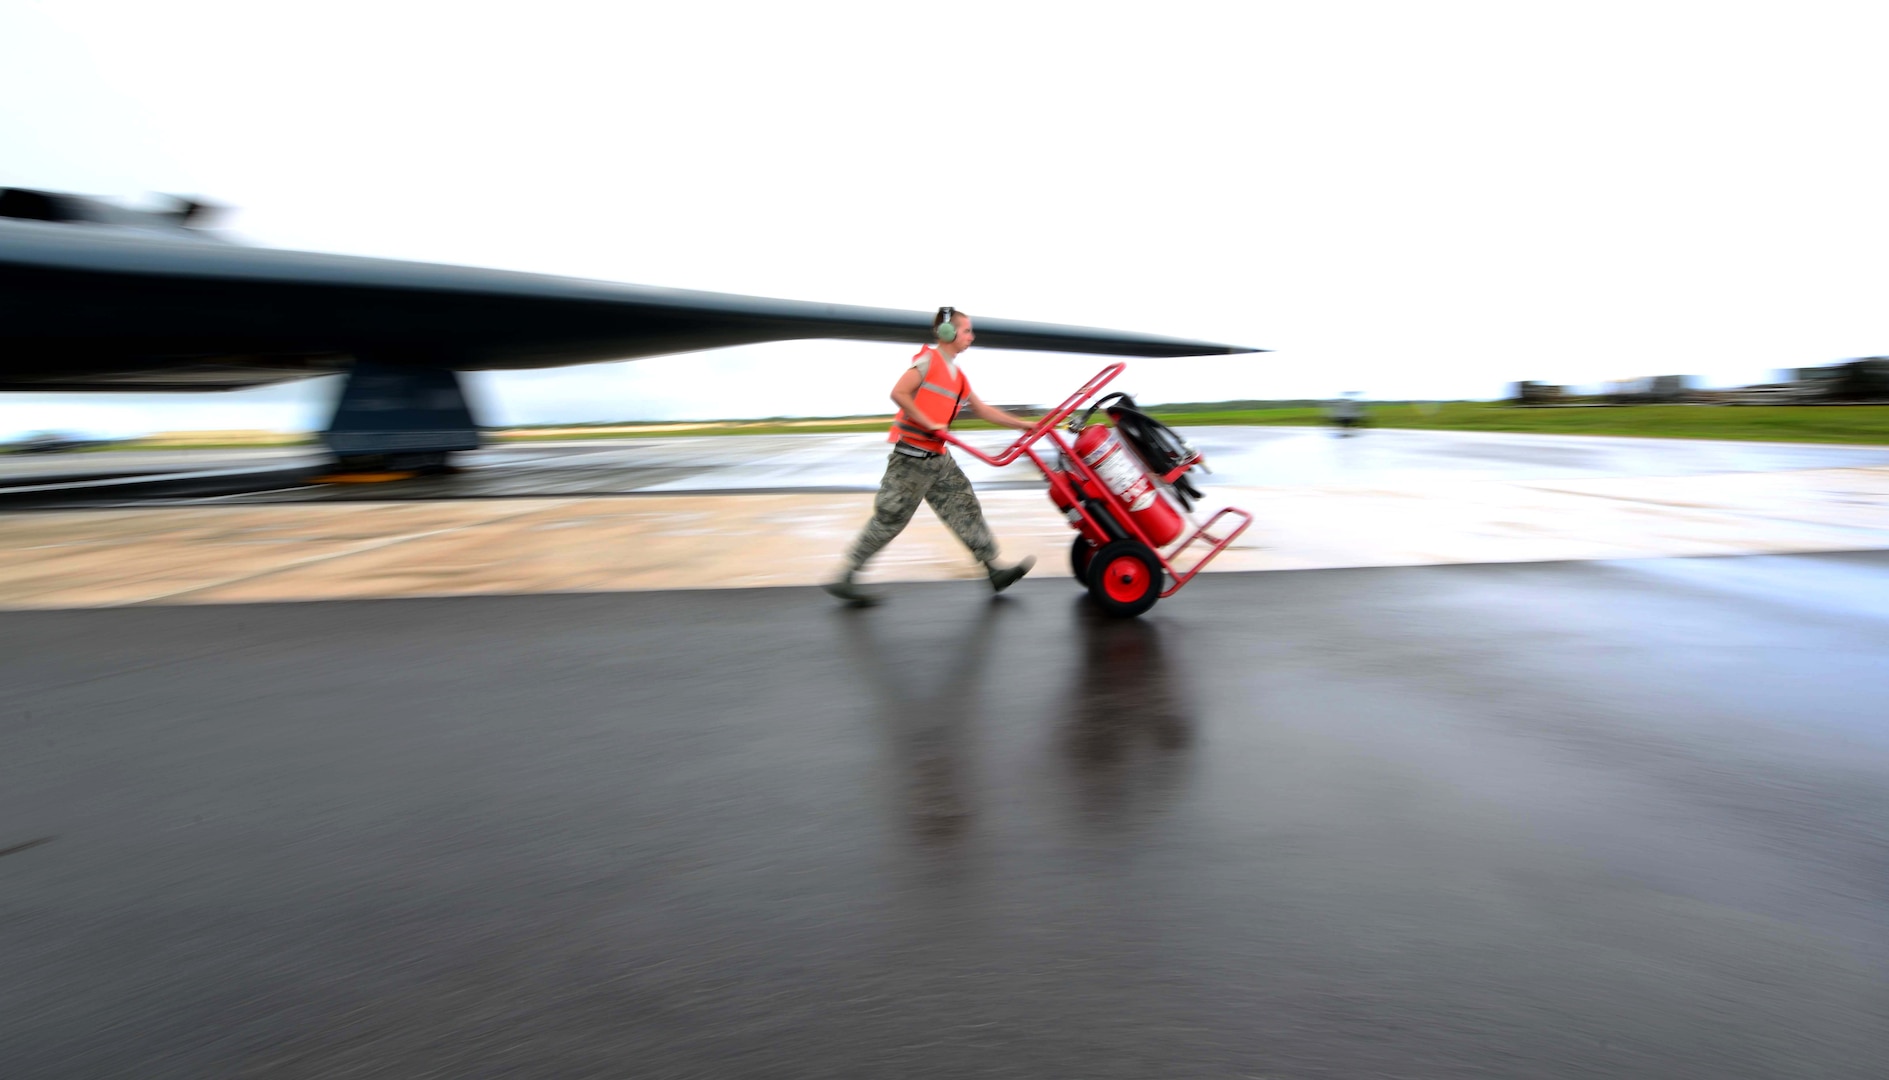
(1865, 424)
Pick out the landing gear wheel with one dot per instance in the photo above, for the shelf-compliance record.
(1079, 555)
(1125, 578)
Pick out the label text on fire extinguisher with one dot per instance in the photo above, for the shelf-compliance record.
(1123, 478)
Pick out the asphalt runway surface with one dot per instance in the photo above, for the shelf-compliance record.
(1530, 820)
(1250, 456)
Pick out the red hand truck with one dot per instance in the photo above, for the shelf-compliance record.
(1128, 527)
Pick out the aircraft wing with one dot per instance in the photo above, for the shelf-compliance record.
(93, 307)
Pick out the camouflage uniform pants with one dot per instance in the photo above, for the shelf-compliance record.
(935, 480)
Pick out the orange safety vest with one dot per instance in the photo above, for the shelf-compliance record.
(941, 391)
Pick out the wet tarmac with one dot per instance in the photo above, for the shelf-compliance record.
(1538, 820)
(751, 511)
(1238, 456)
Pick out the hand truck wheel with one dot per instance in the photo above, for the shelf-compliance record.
(1080, 553)
(1125, 578)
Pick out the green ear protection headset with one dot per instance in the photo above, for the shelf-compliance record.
(947, 330)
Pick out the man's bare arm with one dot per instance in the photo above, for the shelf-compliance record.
(902, 396)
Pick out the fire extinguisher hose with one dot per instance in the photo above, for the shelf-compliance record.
(1156, 444)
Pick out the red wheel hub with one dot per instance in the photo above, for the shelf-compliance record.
(1126, 579)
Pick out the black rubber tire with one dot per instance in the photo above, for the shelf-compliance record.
(1119, 598)
(1080, 553)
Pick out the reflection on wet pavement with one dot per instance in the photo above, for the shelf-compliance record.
(1547, 820)
(1128, 726)
(927, 694)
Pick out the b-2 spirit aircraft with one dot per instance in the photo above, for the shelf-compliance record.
(95, 296)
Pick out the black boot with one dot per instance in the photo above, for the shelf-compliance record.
(1002, 578)
(844, 589)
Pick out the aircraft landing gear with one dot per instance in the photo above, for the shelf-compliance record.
(404, 465)
(396, 420)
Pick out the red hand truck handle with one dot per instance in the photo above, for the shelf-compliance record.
(1051, 419)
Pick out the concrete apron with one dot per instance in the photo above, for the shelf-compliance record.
(229, 554)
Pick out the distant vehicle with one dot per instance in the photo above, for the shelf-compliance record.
(48, 442)
(1347, 414)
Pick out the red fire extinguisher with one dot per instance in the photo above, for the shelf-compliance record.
(1098, 446)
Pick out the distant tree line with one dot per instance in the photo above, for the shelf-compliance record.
(1853, 381)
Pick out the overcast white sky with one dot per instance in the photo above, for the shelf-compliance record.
(1412, 200)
